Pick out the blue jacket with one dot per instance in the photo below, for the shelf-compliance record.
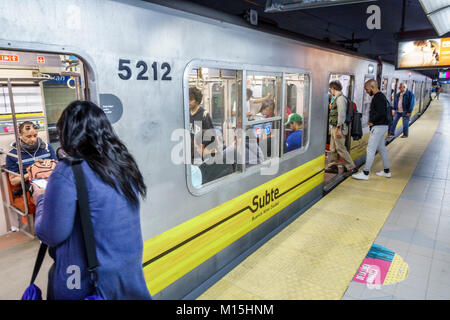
(408, 101)
(117, 233)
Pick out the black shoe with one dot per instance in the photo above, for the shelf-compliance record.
(403, 136)
(332, 169)
(349, 172)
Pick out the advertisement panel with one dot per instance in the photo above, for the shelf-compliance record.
(423, 54)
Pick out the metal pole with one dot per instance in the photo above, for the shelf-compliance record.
(19, 151)
(402, 28)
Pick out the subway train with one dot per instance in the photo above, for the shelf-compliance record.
(137, 60)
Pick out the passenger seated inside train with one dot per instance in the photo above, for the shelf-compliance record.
(199, 122)
(32, 149)
(294, 140)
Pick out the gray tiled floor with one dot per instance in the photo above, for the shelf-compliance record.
(418, 228)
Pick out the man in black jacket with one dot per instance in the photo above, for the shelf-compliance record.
(378, 123)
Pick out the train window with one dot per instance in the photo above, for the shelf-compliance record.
(394, 88)
(295, 111)
(384, 86)
(367, 99)
(215, 110)
(263, 112)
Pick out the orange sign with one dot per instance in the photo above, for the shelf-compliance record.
(424, 53)
(9, 58)
(40, 59)
(445, 52)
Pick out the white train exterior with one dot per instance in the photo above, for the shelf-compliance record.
(194, 236)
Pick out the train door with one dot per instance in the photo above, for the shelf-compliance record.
(34, 88)
(348, 84)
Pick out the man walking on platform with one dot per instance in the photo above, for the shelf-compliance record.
(378, 123)
(403, 106)
(338, 131)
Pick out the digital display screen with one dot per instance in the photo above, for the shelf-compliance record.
(423, 54)
(444, 75)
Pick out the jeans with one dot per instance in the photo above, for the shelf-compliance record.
(405, 121)
(377, 142)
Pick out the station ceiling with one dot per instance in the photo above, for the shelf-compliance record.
(345, 25)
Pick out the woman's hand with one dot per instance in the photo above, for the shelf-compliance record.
(37, 192)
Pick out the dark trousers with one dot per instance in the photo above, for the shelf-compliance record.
(405, 121)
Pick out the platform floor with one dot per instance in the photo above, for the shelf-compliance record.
(318, 255)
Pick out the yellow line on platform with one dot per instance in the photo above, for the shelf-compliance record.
(317, 255)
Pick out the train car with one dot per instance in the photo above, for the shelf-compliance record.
(138, 60)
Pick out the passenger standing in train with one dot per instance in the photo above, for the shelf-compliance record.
(32, 148)
(199, 122)
(403, 107)
(294, 140)
(114, 184)
(338, 131)
(378, 123)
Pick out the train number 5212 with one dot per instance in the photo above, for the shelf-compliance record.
(125, 72)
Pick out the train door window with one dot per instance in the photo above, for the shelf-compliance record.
(65, 87)
(367, 99)
(263, 112)
(297, 101)
(384, 86)
(215, 110)
(394, 88)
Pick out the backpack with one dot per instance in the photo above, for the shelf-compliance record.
(388, 112)
(39, 170)
(351, 109)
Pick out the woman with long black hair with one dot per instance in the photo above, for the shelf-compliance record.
(114, 184)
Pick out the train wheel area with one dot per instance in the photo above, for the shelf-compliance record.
(322, 254)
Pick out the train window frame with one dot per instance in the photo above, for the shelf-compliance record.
(246, 171)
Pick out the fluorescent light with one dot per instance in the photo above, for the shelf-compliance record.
(430, 6)
(441, 21)
(289, 5)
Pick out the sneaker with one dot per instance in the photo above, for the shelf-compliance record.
(403, 136)
(384, 174)
(360, 176)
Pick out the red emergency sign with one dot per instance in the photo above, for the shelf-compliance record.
(40, 59)
(9, 58)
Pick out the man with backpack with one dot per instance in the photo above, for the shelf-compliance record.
(380, 117)
(338, 131)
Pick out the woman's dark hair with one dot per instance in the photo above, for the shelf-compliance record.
(85, 132)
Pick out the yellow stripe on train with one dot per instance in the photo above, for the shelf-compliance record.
(274, 195)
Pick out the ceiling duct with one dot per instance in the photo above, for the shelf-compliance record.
(438, 12)
(290, 5)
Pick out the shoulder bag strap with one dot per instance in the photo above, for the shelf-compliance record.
(37, 265)
(86, 223)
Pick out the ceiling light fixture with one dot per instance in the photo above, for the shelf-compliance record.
(290, 5)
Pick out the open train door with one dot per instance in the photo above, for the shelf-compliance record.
(348, 83)
(34, 87)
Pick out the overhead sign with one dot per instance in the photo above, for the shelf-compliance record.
(423, 54)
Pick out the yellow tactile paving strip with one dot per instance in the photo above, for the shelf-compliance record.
(317, 255)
